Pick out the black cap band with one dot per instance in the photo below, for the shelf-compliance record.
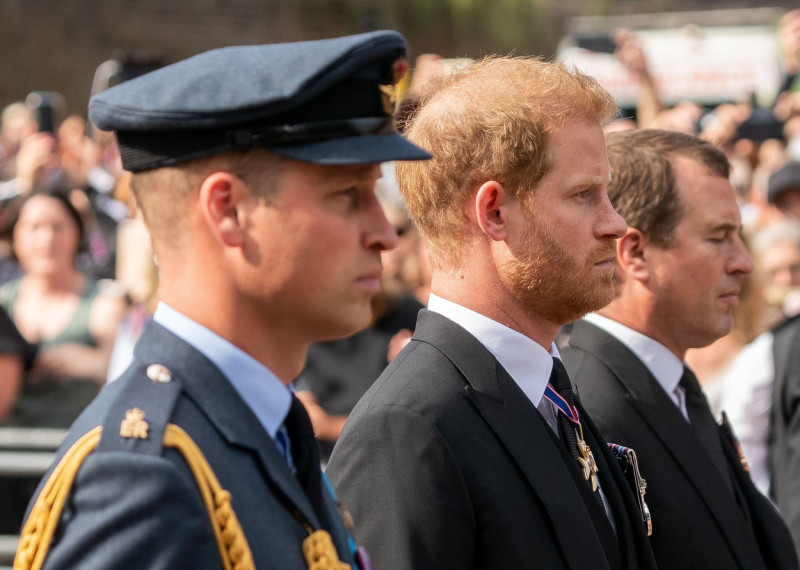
(152, 149)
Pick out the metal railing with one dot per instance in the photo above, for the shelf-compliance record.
(25, 456)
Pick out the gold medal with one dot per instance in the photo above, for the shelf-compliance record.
(588, 464)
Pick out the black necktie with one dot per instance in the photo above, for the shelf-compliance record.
(305, 453)
(559, 380)
(703, 423)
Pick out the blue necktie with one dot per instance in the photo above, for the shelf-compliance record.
(285, 445)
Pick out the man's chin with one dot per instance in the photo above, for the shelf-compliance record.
(355, 321)
(603, 294)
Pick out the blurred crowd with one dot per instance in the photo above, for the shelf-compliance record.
(78, 278)
(75, 273)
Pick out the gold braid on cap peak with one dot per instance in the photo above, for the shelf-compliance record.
(42, 523)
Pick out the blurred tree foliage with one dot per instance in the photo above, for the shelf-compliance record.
(472, 28)
(57, 45)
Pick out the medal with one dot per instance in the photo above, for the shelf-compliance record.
(626, 457)
(586, 461)
(588, 464)
(728, 430)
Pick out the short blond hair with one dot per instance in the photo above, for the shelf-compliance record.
(492, 120)
(163, 194)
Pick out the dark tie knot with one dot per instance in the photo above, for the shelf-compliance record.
(689, 383)
(298, 422)
(559, 379)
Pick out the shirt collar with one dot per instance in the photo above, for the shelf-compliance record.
(665, 367)
(527, 362)
(260, 389)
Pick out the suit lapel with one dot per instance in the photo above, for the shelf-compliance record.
(523, 432)
(773, 536)
(675, 434)
(225, 409)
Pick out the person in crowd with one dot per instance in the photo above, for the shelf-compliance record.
(783, 190)
(760, 395)
(777, 249)
(630, 54)
(80, 159)
(36, 166)
(784, 435)
(15, 354)
(17, 122)
(137, 274)
(679, 271)
(71, 318)
(259, 197)
(456, 457)
(789, 42)
(69, 158)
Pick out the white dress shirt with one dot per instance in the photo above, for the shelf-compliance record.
(525, 360)
(665, 367)
(259, 388)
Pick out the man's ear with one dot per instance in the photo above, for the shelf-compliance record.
(222, 196)
(632, 255)
(490, 202)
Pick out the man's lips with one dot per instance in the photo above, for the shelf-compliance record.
(731, 296)
(605, 259)
(605, 256)
(370, 281)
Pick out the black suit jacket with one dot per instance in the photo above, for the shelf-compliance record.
(784, 446)
(135, 504)
(445, 463)
(697, 522)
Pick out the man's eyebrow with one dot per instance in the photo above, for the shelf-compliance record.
(590, 182)
(727, 227)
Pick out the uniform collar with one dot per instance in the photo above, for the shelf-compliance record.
(259, 387)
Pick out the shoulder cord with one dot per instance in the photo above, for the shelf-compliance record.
(42, 523)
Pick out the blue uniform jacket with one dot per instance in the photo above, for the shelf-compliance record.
(136, 504)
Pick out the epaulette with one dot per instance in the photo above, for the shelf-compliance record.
(137, 420)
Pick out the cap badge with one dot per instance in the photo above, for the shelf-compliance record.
(134, 426)
(388, 98)
(389, 92)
